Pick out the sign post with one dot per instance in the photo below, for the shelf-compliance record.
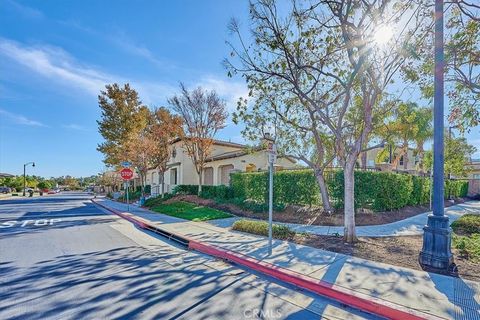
(127, 174)
(272, 157)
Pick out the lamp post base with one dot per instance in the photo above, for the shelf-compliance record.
(436, 254)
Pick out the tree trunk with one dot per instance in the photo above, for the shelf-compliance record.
(405, 157)
(364, 160)
(162, 183)
(323, 191)
(200, 181)
(349, 201)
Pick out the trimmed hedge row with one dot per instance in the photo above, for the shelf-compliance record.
(289, 187)
(378, 191)
(208, 192)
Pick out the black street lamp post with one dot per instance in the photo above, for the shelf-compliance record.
(24, 176)
(436, 254)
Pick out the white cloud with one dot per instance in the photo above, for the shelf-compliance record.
(74, 126)
(20, 119)
(231, 91)
(56, 64)
(26, 11)
(59, 66)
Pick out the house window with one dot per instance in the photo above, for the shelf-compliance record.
(476, 176)
(173, 176)
(208, 176)
(401, 161)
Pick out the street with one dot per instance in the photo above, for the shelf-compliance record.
(62, 257)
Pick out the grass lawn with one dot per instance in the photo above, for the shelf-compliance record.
(190, 211)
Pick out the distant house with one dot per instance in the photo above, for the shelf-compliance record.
(370, 160)
(474, 168)
(226, 157)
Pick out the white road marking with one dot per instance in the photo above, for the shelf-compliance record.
(37, 223)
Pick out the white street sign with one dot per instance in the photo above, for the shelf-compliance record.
(272, 157)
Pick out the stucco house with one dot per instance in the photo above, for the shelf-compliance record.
(226, 157)
(369, 160)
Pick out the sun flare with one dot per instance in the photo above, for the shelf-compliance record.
(383, 34)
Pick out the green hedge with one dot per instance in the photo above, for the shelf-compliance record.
(208, 192)
(378, 191)
(290, 187)
(456, 188)
(374, 190)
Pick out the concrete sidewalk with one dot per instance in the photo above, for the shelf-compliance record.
(412, 226)
(437, 295)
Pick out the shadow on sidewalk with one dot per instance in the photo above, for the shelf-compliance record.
(464, 295)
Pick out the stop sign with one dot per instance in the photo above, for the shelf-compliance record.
(126, 173)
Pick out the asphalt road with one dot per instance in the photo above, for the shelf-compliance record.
(62, 257)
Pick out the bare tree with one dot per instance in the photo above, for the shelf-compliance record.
(165, 128)
(203, 114)
(335, 58)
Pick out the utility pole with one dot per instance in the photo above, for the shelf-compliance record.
(436, 253)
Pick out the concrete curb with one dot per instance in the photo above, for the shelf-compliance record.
(351, 298)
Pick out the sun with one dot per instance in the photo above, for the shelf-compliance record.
(383, 34)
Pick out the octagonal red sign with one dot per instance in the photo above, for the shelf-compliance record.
(126, 173)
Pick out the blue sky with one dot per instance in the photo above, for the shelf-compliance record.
(55, 57)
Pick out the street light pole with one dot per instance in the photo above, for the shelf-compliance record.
(24, 176)
(436, 253)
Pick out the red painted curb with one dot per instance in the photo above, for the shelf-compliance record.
(359, 301)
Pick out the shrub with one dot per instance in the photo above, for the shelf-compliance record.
(374, 190)
(456, 188)
(290, 187)
(421, 190)
(185, 189)
(261, 228)
(467, 224)
(378, 191)
(154, 201)
(148, 189)
(469, 246)
(216, 192)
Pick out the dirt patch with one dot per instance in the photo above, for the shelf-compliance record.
(314, 215)
(400, 251)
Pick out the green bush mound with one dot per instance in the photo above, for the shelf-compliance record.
(261, 228)
(467, 224)
(190, 211)
(468, 246)
(154, 201)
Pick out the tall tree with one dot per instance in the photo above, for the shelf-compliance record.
(123, 116)
(164, 129)
(409, 124)
(462, 63)
(141, 150)
(457, 155)
(337, 58)
(297, 133)
(203, 114)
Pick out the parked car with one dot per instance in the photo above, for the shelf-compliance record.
(5, 190)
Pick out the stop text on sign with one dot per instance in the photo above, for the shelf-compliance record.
(126, 173)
